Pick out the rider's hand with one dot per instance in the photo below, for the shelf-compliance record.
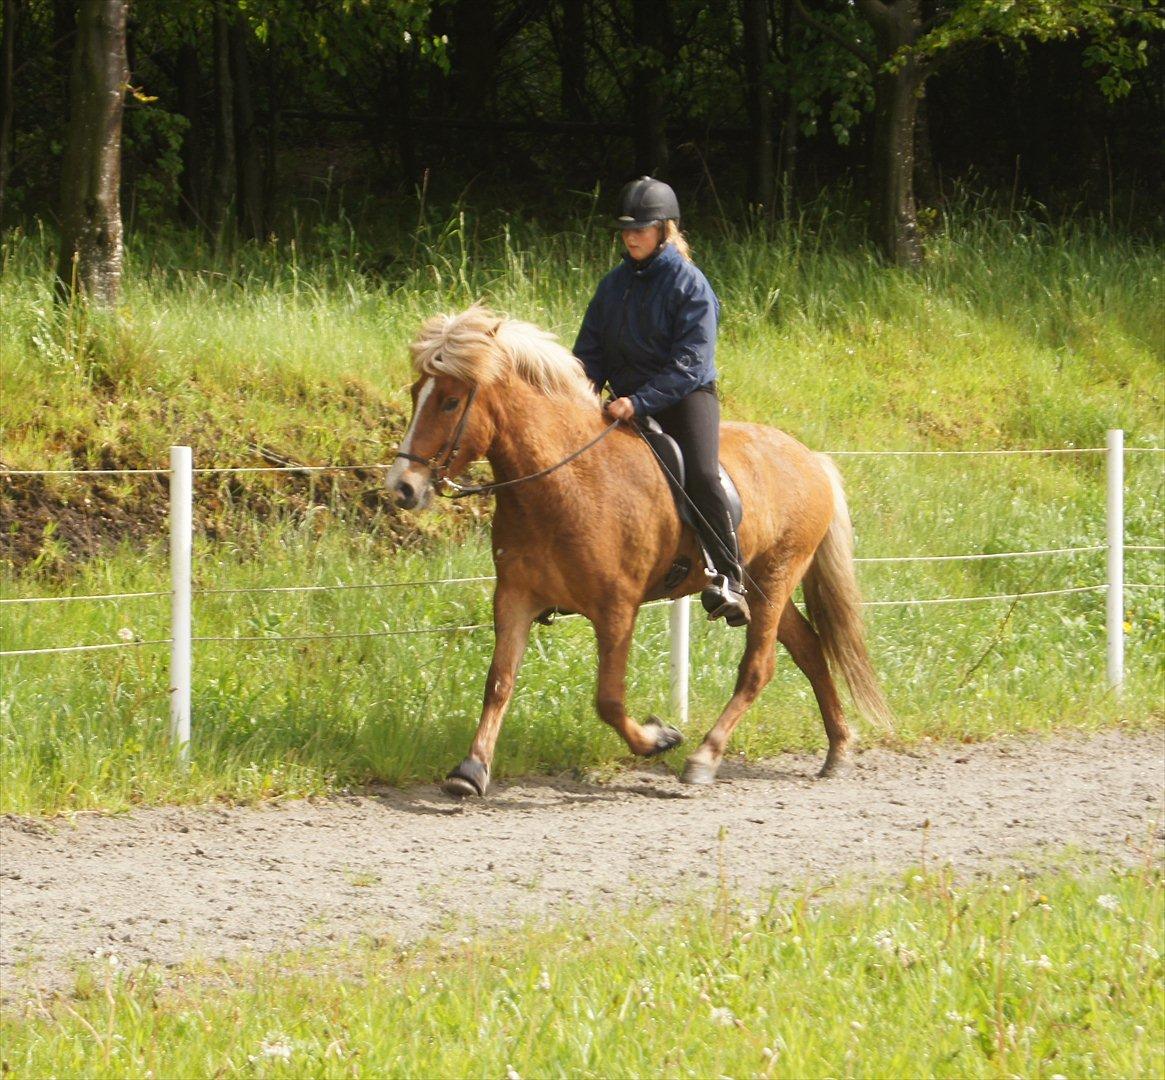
(621, 409)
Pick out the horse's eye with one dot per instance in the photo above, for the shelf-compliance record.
(450, 404)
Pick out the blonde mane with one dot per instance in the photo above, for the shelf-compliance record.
(478, 346)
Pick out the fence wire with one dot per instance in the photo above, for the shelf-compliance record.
(271, 639)
(228, 469)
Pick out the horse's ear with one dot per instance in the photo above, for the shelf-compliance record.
(493, 330)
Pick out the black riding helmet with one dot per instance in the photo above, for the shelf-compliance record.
(646, 202)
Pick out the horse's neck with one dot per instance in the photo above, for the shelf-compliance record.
(533, 431)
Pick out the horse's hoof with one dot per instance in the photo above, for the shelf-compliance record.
(835, 765)
(469, 778)
(698, 773)
(666, 738)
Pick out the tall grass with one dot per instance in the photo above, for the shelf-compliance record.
(1015, 334)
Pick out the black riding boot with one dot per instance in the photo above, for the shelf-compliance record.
(723, 596)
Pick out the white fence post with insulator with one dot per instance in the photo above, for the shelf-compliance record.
(1115, 594)
(679, 620)
(181, 557)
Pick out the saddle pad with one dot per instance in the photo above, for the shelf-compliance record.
(672, 460)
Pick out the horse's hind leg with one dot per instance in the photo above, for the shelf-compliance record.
(513, 616)
(755, 671)
(799, 637)
(613, 629)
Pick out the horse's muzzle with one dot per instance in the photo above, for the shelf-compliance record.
(411, 488)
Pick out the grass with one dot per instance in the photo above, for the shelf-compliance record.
(1015, 334)
(1061, 975)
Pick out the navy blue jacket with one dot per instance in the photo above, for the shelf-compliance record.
(650, 331)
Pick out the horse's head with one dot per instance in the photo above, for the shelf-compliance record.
(447, 432)
(463, 362)
(453, 356)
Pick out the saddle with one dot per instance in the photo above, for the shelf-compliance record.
(672, 463)
(668, 451)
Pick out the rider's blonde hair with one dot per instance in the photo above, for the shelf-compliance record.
(673, 236)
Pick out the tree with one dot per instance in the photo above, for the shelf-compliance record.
(91, 231)
(908, 49)
(222, 179)
(652, 24)
(754, 19)
(249, 174)
(7, 108)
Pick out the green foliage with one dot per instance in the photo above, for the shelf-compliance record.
(1118, 33)
(1009, 976)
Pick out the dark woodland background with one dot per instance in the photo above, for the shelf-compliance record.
(240, 113)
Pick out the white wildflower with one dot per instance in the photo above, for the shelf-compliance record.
(275, 1047)
(1139, 1031)
(954, 1017)
(512, 1073)
(544, 980)
(408, 37)
(884, 940)
(857, 1025)
(723, 1017)
(1043, 963)
(1109, 902)
(126, 634)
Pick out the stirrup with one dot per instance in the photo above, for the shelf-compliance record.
(724, 599)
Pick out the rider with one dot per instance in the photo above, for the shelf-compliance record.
(650, 333)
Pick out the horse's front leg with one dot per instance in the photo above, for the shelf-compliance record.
(513, 617)
(613, 629)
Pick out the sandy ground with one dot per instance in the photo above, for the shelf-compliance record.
(170, 884)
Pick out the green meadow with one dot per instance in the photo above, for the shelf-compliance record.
(1017, 334)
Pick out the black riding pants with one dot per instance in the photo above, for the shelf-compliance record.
(694, 423)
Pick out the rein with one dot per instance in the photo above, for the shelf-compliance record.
(449, 451)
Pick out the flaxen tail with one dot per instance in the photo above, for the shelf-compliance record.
(835, 607)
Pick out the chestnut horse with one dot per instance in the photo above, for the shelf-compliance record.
(598, 534)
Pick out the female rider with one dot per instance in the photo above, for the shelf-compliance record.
(650, 333)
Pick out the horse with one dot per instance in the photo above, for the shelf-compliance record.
(585, 521)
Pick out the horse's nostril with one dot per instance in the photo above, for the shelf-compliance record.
(406, 494)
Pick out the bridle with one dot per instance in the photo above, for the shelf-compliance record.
(448, 452)
(439, 463)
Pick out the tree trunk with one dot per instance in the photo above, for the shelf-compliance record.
(192, 182)
(271, 147)
(926, 185)
(249, 174)
(398, 96)
(574, 60)
(91, 234)
(650, 29)
(754, 18)
(222, 181)
(896, 25)
(790, 127)
(7, 65)
(474, 56)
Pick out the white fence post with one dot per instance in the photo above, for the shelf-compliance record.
(679, 619)
(1115, 598)
(181, 556)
